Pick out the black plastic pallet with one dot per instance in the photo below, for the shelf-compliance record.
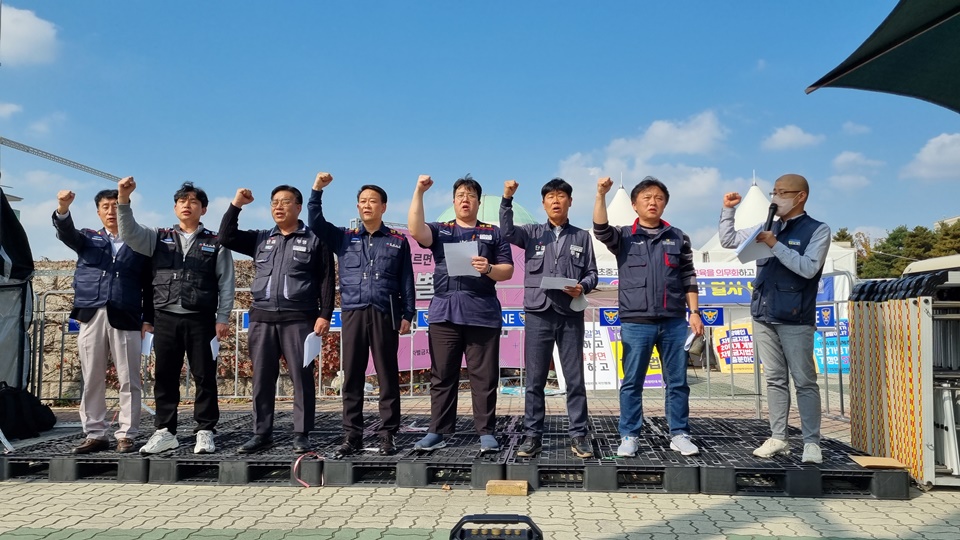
(725, 465)
(460, 463)
(653, 469)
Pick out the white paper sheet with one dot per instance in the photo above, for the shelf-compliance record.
(311, 348)
(550, 282)
(751, 250)
(459, 257)
(215, 348)
(146, 344)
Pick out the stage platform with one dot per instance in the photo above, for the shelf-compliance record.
(725, 464)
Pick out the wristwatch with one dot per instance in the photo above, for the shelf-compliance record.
(697, 311)
(489, 269)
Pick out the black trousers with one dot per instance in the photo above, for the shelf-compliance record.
(268, 342)
(541, 331)
(174, 335)
(449, 343)
(367, 331)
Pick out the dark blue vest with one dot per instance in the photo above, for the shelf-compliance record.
(192, 279)
(101, 278)
(286, 278)
(370, 270)
(649, 272)
(779, 294)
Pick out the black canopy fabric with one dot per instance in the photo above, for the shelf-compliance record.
(915, 52)
(16, 259)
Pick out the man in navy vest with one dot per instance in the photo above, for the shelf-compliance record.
(293, 295)
(114, 304)
(555, 249)
(657, 283)
(193, 288)
(465, 315)
(377, 295)
(783, 308)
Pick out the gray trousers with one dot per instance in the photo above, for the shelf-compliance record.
(786, 350)
(96, 339)
(541, 331)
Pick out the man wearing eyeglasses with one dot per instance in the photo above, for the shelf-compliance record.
(658, 282)
(783, 308)
(464, 313)
(377, 296)
(293, 295)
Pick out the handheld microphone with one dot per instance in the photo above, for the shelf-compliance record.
(770, 213)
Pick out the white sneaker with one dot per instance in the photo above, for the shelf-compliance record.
(682, 443)
(812, 453)
(161, 441)
(771, 447)
(205, 442)
(629, 447)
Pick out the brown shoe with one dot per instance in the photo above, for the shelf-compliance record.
(92, 445)
(124, 446)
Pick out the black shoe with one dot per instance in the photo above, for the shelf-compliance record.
(386, 445)
(531, 446)
(301, 443)
(349, 447)
(255, 444)
(581, 447)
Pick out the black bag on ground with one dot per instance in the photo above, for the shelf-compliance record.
(22, 415)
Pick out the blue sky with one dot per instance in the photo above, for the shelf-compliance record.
(254, 94)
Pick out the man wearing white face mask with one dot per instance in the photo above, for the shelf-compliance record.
(783, 309)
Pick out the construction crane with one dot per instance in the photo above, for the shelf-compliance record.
(55, 158)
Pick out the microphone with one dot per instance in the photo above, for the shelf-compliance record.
(770, 213)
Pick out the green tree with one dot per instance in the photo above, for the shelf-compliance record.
(947, 240)
(843, 235)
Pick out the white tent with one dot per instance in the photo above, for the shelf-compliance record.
(620, 213)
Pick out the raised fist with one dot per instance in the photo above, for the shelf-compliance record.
(64, 200)
(424, 182)
(125, 187)
(509, 188)
(731, 199)
(603, 185)
(323, 180)
(243, 196)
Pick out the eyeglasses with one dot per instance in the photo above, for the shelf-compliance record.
(465, 197)
(283, 203)
(782, 193)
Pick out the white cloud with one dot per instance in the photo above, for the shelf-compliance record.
(46, 124)
(789, 137)
(849, 182)
(692, 187)
(27, 39)
(761, 64)
(9, 109)
(939, 159)
(701, 134)
(852, 128)
(847, 160)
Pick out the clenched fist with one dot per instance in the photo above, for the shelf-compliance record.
(603, 185)
(731, 199)
(65, 198)
(124, 188)
(323, 180)
(243, 196)
(509, 188)
(424, 182)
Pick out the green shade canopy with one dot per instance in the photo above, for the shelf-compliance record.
(915, 52)
(490, 212)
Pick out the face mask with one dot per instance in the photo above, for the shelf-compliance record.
(784, 206)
